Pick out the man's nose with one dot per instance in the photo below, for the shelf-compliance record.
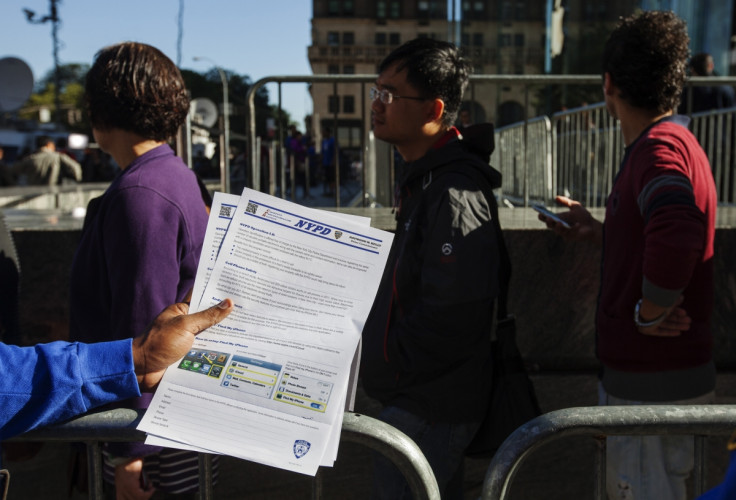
(377, 105)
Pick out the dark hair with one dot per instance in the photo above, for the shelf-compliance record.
(135, 87)
(436, 69)
(646, 56)
(699, 63)
(43, 140)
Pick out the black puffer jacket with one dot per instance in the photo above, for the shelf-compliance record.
(426, 342)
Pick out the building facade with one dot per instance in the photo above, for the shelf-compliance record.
(501, 37)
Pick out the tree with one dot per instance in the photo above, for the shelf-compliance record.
(71, 97)
(209, 85)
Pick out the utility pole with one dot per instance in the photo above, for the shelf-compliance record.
(53, 16)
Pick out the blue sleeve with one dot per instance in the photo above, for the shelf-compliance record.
(48, 383)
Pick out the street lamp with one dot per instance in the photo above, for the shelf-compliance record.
(225, 166)
(52, 16)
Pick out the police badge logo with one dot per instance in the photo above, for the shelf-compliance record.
(301, 448)
(338, 234)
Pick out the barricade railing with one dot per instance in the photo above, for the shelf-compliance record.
(588, 148)
(579, 156)
(120, 425)
(523, 155)
(276, 170)
(716, 132)
(599, 422)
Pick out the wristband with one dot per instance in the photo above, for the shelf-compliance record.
(646, 324)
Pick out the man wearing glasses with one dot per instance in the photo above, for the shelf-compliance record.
(426, 342)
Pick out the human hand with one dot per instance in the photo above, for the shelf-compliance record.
(583, 227)
(170, 337)
(675, 321)
(130, 483)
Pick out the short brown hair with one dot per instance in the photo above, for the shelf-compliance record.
(135, 87)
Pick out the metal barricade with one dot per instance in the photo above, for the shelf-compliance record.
(599, 422)
(716, 131)
(120, 425)
(588, 148)
(523, 155)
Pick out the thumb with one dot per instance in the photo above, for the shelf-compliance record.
(202, 320)
(564, 201)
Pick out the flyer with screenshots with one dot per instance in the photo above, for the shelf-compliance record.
(268, 384)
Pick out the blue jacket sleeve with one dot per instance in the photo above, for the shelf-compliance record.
(48, 383)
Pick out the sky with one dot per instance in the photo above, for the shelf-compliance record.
(257, 38)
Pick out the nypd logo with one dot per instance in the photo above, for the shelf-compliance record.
(301, 448)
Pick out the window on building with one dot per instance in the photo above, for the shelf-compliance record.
(478, 39)
(348, 38)
(333, 8)
(333, 104)
(333, 38)
(507, 10)
(465, 39)
(381, 10)
(380, 38)
(504, 40)
(333, 69)
(520, 10)
(394, 39)
(519, 40)
(349, 69)
(348, 104)
(395, 9)
(348, 8)
(479, 6)
(466, 6)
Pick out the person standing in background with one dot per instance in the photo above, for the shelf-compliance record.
(426, 342)
(47, 166)
(653, 320)
(142, 239)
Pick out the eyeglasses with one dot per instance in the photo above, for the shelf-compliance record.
(387, 97)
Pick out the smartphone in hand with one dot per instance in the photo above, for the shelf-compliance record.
(550, 215)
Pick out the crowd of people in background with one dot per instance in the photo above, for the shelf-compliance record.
(53, 163)
(315, 167)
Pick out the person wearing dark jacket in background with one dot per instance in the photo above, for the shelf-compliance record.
(426, 342)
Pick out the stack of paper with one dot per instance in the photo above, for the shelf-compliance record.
(270, 383)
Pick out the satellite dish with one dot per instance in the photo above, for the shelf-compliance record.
(204, 111)
(16, 83)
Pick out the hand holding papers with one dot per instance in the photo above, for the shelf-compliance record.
(268, 384)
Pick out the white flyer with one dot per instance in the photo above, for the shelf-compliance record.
(269, 383)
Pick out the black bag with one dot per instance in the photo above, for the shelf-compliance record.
(513, 401)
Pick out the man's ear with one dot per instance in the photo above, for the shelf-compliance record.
(438, 109)
(607, 84)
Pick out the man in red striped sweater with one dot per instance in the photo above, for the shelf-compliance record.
(653, 331)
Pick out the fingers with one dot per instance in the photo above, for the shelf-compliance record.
(565, 201)
(171, 335)
(202, 320)
(675, 324)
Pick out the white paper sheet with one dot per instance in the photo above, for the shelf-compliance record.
(269, 383)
